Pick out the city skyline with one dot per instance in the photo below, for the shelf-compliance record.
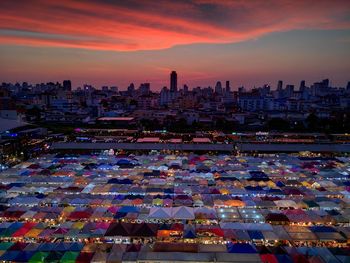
(168, 85)
(112, 43)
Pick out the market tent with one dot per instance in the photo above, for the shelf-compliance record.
(39, 257)
(69, 257)
(99, 256)
(145, 230)
(24, 256)
(5, 245)
(277, 218)
(217, 248)
(205, 213)
(54, 256)
(84, 257)
(268, 258)
(9, 256)
(160, 212)
(62, 246)
(284, 258)
(115, 257)
(46, 247)
(206, 230)
(241, 248)
(297, 215)
(255, 234)
(119, 229)
(286, 204)
(18, 246)
(32, 247)
(175, 247)
(189, 233)
(75, 246)
(182, 212)
(129, 209)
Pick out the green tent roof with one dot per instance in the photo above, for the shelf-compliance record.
(5, 245)
(39, 257)
(69, 257)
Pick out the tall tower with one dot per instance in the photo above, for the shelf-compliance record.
(218, 87)
(228, 87)
(67, 85)
(280, 85)
(173, 81)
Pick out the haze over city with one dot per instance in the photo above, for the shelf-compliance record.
(175, 131)
(101, 43)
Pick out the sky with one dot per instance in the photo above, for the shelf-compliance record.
(105, 42)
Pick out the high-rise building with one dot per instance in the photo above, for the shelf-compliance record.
(67, 85)
(173, 81)
(289, 90)
(325, 83)
(145, 88)
(227, 86)
(131, 88)
(302, 85)
(114, 88)
(218, 87)
(280, 85)
(185, 89)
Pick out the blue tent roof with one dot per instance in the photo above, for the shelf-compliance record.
(255, 234)
(123, 161)
(76, 246)
(129, 209)
(323, 229)
(241, 248)
(25, 173)
(62, 246)
(280, 184)
(168, 190)
(258, 174)
(40, 196)
(24, 256)
(119, 181)
(46, 247)
(16, 184)
(119, 215)
(190, 234)
(283, 258)
(16, 225)
(9, 255)
(253, 188)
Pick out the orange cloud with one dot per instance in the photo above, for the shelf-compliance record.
(146, 25)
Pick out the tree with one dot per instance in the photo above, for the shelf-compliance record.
(312, 122)
(34, 112)
(278, 124)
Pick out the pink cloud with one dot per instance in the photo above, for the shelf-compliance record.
(148, 26)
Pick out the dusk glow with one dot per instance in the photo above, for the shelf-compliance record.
(175, 131)
(114, 43)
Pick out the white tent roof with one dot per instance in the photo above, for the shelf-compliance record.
(160, 212)
(182, 212)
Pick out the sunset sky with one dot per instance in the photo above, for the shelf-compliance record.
(118, 42)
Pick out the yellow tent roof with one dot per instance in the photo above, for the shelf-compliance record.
(34, 232)
(78, 225)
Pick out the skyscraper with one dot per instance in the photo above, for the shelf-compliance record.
(67, 85)
(218, 87)
(173, 81)
(228, 87)
(280, 85)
